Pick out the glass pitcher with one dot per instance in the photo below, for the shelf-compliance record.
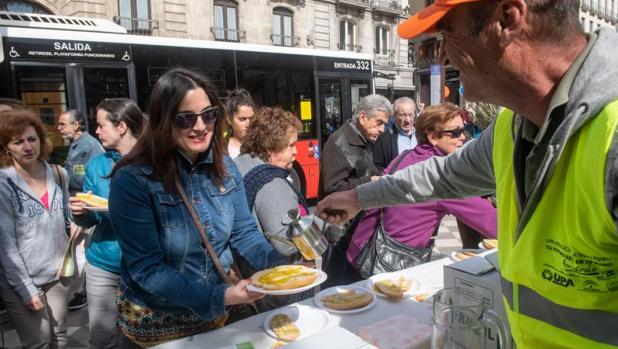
(461, 322)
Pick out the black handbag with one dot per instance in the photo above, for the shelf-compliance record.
(384, 254)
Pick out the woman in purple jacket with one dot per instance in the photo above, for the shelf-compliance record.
(440, 132)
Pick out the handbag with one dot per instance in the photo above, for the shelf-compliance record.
(384, 254)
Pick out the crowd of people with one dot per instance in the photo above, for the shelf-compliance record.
(146, 277)
(199, 189)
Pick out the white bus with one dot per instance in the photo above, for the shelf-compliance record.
(55, 63)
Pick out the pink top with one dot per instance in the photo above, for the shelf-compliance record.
(414, 224)
(45, 200)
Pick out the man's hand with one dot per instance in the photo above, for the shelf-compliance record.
(35, 303)
(338, 208)
(238, 294)
(375, 178)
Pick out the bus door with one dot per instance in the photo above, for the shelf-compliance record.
(52, 76)
(90, 84)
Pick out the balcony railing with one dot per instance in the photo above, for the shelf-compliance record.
(225, 34)
(355, 3)
(384, 60)
(138, 26)
(349, 47)
(285, 40)
(387, 6)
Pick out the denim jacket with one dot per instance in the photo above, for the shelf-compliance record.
(164, 265)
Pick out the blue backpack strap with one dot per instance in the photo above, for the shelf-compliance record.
(261, 175)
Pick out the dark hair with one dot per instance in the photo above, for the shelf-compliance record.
(14, 104)
(554, 20)
(236, 99)
(433, 117)
(15, 122)
(269, 131)
(157, 146)
(124, 110)
(77, 116)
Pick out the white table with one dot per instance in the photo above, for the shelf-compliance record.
(430, 276)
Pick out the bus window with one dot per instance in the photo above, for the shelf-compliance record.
(358, 90)
(330, 105)
(43, 89)
(101, 84)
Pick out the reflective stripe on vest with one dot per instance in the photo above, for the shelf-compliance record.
(560, 270)
(600, 326)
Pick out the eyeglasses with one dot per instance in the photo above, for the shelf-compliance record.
(408, 115)
(188, 120)
(455, 133)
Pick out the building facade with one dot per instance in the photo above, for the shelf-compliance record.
(367, 26)
(594, 14)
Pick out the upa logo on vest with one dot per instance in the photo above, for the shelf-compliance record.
(557, 278)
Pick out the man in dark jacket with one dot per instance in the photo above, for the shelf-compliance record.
(399, 136)
(347, 161)
(72, 127)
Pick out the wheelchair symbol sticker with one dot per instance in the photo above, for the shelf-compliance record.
(13, 53)
(126, 56)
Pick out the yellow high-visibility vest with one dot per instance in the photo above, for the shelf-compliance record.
(560, 269)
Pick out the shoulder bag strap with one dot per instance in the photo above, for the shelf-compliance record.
(200, 228)
(59, 177)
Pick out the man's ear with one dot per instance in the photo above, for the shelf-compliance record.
(362, 117)
(512, 20)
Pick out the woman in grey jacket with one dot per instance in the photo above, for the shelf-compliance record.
(33, 232)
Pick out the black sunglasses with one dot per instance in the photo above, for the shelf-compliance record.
(455, 133)
(188, 120)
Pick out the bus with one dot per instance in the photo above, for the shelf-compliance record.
(56, 63)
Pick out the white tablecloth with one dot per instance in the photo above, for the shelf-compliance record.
(430, 276)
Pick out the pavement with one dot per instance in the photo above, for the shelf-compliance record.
(447, 240)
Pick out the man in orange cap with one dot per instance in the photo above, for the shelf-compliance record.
(551, 157)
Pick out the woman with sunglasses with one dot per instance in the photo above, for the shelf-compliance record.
(119, 123)
(169, 285)
(440, 132)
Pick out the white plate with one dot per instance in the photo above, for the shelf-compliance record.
(337, 289)
(393, 276)
(454, 257)
(482, 247)
(97, 209)
(321, 278)
(308, 320)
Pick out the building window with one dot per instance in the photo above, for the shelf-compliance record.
(22, 6)
(347, 35)
(283, 33)
(382, 42)
(226, 21)
(135, 15)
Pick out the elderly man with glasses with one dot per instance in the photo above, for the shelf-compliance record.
(399, 136)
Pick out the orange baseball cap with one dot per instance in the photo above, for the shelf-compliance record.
(425, 20)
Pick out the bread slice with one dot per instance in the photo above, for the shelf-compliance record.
(92, 200)
(284, 328)
(284, 277)
(393, 288)
(490, 243)
(347, 300)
